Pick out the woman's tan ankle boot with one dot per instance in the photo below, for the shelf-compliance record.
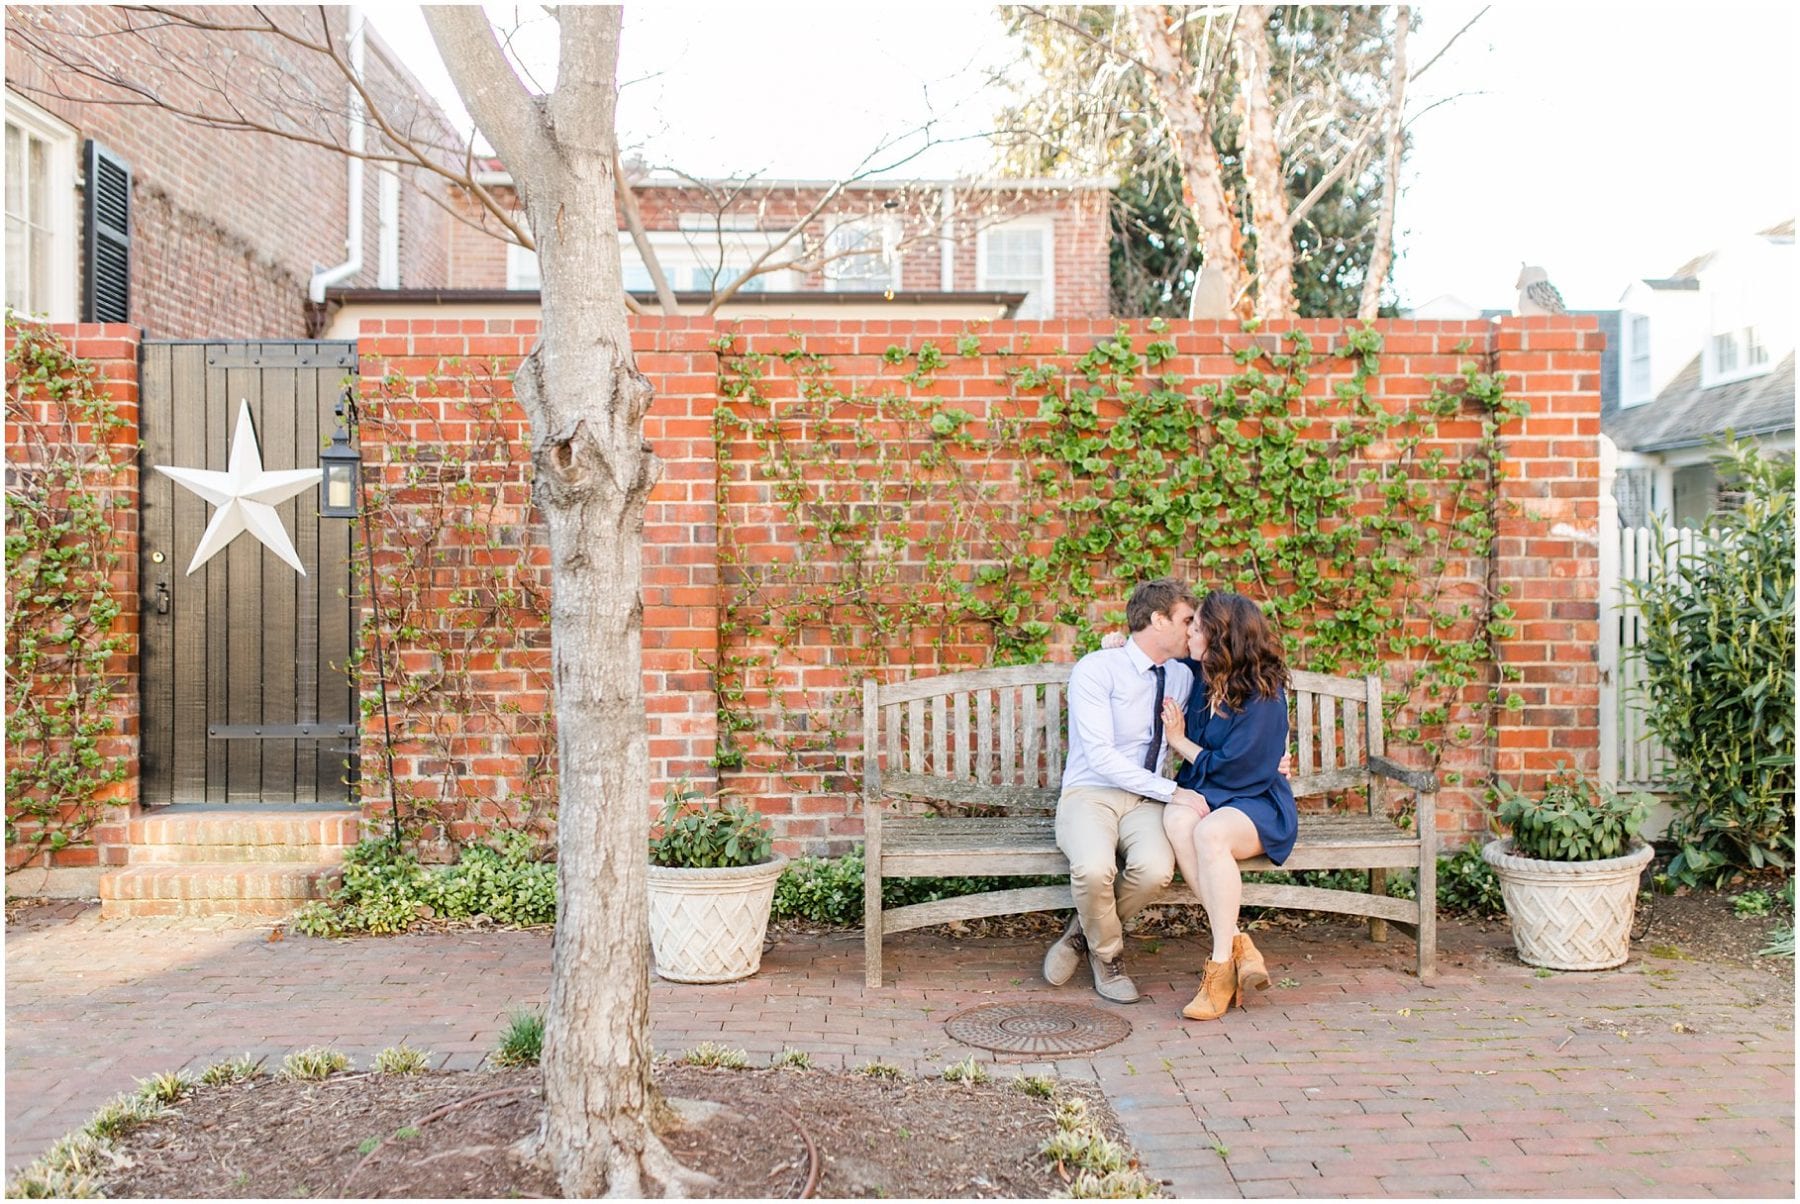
(1218, 985)
(1251, 972)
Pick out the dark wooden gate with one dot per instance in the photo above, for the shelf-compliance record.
(246, 698)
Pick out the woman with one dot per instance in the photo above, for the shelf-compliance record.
(1233, 736)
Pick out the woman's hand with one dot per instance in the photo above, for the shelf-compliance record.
(1174, 721)
(1113, 639)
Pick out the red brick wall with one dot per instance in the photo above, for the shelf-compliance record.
(113, 351)
(227, 226)
(1545, 551)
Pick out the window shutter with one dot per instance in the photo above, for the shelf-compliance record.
(106, 238)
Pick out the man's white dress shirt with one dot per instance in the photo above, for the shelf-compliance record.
(1112, 708)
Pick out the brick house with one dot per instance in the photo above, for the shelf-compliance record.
(125, 212)
(901, 249)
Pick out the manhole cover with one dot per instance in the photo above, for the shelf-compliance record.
(1038, 1028)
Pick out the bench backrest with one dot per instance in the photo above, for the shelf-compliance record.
(998, 737)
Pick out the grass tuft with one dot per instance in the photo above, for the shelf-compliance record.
(402, 1059)
(713, 1056)
(522, 1044)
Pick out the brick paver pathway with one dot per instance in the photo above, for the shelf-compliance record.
(1349, 1078)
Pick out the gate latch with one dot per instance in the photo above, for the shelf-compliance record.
(162, 597)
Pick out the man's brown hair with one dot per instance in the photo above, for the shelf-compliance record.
(1156, 597)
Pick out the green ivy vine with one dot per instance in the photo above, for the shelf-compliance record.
(928, 532)
(66, 461)
(458, 603)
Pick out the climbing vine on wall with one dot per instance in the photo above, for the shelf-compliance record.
(927, 532)
(460, 605)
(65, 464)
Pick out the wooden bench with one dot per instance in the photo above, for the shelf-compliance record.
(993, 741)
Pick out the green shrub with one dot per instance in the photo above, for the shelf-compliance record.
(1573, 820)
(385, 889)
(1751, 904)
(508, 882)
(1467, 884)
(1718, 654)
(709, 833)
(522, 1044)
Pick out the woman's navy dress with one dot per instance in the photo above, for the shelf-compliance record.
(1236, 765)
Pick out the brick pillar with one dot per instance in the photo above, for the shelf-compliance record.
(1548, 547)
(113, 351)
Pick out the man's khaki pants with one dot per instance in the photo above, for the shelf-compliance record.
(1093, 825)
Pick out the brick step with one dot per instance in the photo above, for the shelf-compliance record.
(258, 836)
(213, 889)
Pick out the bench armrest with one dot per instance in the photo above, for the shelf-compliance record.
(1419, 779)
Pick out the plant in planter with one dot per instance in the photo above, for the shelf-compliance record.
(1569, 871)
(712, 880)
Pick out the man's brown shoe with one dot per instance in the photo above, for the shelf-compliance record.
(1111, 980)
(1218, 985)
(1065, 954)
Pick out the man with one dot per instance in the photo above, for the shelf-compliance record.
(1113, 790)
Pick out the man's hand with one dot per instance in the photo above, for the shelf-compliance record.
(1286, 768)
(1183, 797)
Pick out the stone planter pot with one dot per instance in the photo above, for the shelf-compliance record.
(1569, 915)
(708, 925)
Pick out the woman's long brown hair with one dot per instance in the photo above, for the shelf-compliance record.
(1243, 654)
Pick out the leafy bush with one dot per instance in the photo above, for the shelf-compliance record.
(709, 833)
(1467, 884)
(508, 882)
(1718, 653)
(1574, 820)
(385, 889)
(1751, 904)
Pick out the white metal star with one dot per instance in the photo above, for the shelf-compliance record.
(246, 497)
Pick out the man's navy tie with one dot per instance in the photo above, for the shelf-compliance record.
(1150, 757)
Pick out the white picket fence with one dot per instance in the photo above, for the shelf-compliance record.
(1630, 756)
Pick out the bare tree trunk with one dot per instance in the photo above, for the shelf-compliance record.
(1186, 113)
(1382, 257)
(1262, 168)
(586, 401)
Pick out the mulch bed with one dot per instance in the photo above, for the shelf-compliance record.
(450, 1135)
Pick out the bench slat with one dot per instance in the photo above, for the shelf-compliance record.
(960, 707)
(984, 736)
(915, 735)
(975, 680)
(1053, 754)
(1009, 735)
(1328, 754)
(1305, 706)
(1028, 756)
(1302, 682)
(940, 735)
(967, 793)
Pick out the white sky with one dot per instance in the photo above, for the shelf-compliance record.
(1603, 142)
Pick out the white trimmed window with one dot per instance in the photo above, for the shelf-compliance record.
(1725, 354)
(704, 259)
(1017, 257)
(1637, 367)
(40, 212)
(522, 268)
(863, 257)
(1756, 354)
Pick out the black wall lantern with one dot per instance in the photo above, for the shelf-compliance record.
(341, 484)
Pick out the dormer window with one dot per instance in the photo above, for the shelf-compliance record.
(1756, 353)
(1637, 368)
(1725, 353)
